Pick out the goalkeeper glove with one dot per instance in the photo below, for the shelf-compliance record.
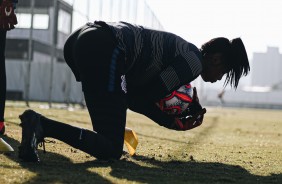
(192, 117)
(189, 122)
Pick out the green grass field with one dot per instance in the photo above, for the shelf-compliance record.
(232, 146)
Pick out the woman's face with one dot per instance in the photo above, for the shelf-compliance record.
(213, 68)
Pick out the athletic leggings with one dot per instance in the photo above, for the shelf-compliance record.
(92, 54)
(2, 74)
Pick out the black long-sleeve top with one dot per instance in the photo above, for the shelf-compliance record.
(157, 63)
(157, 60)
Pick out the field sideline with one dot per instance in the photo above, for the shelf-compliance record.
(232, 146)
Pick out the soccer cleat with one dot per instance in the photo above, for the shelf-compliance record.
(32, 135)
(2, 128)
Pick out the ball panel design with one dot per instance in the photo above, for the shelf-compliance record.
(178, 101)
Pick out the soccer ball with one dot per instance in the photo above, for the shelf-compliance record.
(178, 101)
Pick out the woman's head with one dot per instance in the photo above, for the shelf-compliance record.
(222, 56)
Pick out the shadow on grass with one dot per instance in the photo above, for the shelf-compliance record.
(56, 168)
(187, 172)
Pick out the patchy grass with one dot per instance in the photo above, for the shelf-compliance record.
(232, 146)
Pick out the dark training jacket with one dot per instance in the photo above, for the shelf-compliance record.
(157, 62)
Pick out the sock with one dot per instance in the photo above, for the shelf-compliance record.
(85, 140)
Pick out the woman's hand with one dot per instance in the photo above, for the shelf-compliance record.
(190, 122)
(193, 117)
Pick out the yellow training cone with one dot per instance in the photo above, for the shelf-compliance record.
(130, 140)
(5, 147)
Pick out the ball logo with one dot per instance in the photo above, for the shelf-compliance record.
(123, 84)
(178, 101)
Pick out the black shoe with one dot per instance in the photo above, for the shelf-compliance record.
(32, 135)
(2, 128)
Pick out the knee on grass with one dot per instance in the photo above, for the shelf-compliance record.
(109, 154)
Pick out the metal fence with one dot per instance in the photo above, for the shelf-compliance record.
(43, 78)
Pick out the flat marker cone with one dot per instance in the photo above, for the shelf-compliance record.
(130, 140)
(5, 147)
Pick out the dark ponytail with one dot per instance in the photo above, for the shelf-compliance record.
(238, 63)
(234, 55)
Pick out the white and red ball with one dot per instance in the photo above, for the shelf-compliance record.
(178, 101)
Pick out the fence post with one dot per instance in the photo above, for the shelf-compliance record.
(30, 55)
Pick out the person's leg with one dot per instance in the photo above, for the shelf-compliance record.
(105, 142)
(101, 69)
(100, 66)
(2, 79)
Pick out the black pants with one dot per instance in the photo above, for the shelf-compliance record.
(2, 74)
(92, 54)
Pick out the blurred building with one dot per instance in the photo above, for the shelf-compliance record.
(34, 52)
(265, 90)
(35, 46)
(51, 22)
(266, 68)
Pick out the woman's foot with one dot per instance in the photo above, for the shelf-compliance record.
(32, 135)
